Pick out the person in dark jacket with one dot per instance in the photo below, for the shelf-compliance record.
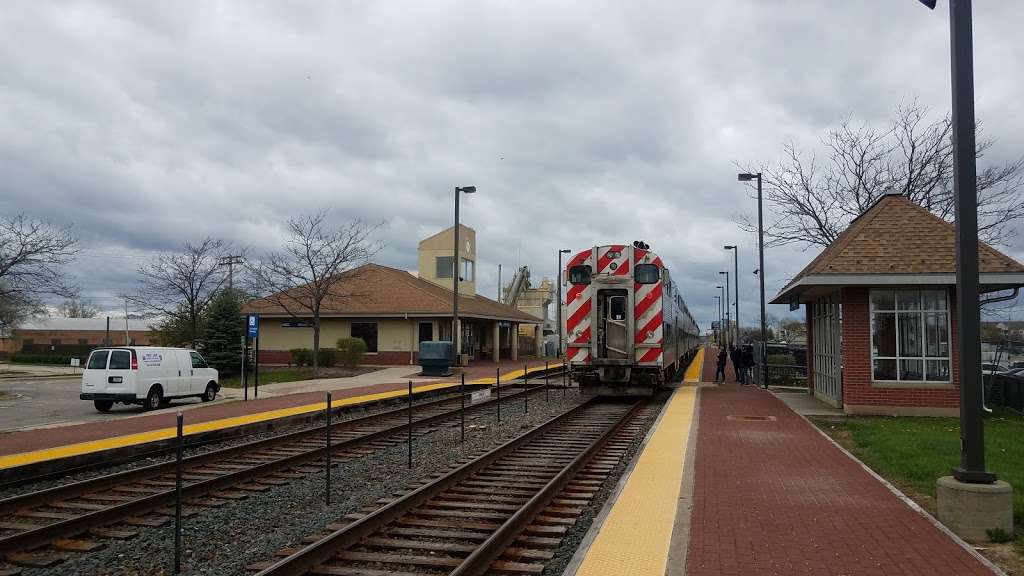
(737, 363)
(720, 365)
(748, 364)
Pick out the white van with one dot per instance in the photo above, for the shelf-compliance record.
(146, 375)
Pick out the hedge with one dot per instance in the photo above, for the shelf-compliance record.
(302, 356)
(350, 351)
(42, 359)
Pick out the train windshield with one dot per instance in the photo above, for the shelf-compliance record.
(579, 274)
(646, 273)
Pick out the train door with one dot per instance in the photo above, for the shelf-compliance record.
(613, 324)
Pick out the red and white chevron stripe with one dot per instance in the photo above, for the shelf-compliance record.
(648, 314)
(578, 305)
(612, 260)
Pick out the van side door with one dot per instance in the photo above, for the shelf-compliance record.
(185, 373)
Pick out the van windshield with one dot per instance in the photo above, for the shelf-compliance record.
(98, 360)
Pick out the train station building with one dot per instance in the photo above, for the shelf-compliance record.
(881, 311)
(394, 310)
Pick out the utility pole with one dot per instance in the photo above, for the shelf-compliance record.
(499, 283)
(231, 261)
(126, 341)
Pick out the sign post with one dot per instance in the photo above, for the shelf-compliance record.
(252, 331)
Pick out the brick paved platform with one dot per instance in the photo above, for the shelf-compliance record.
(777, 497)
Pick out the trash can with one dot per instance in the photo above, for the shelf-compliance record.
(436, 358)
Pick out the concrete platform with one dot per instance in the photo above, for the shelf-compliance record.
(754, 488)
(42, 445)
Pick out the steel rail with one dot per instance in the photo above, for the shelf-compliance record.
(321, 551)
(42, 535)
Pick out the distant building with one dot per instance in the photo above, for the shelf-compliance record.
(395, 310)
(76, 336)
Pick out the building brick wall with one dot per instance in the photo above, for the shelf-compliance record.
(70, 342)
(379, 358)
(859, 393)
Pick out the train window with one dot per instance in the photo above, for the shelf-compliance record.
(646, 273)
(580, 274)
(617, 305)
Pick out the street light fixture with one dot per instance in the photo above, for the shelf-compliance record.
(747, 177)
(560, 252)
(456, 261)
(972, 426)
(736, 283)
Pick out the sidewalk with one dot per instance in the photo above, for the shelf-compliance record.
(772, 495)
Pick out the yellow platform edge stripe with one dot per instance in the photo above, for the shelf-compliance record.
(637, 534)
(696, 368)
(78, 449)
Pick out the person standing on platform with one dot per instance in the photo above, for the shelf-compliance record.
(748, 364)
(720, 365)
(737, 363)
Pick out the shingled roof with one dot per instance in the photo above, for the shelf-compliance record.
(897, 241)
(382, 291)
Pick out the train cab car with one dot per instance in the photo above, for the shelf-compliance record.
(627, 328)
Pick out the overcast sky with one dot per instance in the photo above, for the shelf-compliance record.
(581, 123)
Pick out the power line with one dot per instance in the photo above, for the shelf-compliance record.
(231, 261)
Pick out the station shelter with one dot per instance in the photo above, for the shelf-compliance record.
(881, 311)
(393, 310)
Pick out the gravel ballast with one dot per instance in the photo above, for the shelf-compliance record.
(223, 541)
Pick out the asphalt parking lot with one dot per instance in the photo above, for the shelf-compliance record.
(33, 402)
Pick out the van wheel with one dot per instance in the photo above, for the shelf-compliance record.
(155, 398)
(103, 405)
(211, 393)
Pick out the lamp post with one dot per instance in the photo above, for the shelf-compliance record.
(455, 272)
(728, 307)
(724, 315)
(719, 335)
(560, 252)
(972, 427)
(747, 177)
(736, 284)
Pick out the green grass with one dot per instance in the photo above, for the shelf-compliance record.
(914, 452)
(270, 377)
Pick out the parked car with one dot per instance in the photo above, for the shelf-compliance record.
(990, 368)
(146, 375)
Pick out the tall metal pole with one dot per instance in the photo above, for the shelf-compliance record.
(760, 276)
(719, 335)
(177, 494)
(499, 284)
(455, 283)
(736, 282)
(728, 307)
(972, 427)
(560, 331)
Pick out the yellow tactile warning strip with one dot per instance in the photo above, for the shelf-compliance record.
(514, 374)
(21, 459)
(696, 368)
(636, 536)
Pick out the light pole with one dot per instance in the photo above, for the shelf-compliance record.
(719, 335)
(736, 283)
(728, 307)
(972, 427)
(455, 273)
(560, 252)
(747, 177)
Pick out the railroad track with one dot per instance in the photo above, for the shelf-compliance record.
(504, 512)
(38, 528)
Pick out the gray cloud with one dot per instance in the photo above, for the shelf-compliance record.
(581, 123)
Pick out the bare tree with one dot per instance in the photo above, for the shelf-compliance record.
(318, 262)
(811, 202)
(76, 307)
(180, 286)
(32, 258)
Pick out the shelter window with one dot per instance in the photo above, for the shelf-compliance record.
(467, 270)
(646, 273)
(367, 331)
(445, 265)
(910, 335)
(580, 274)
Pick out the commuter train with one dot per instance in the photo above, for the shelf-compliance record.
(627, 328)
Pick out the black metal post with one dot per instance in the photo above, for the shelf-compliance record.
(256, 367)
(972, 427)
(177, 496)
(760, 276)
(497, 385)
(462, 409)
(547, 397)
(455, 285)
(245, 373)
(410, 424)
(526, 393)
(327, 456)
